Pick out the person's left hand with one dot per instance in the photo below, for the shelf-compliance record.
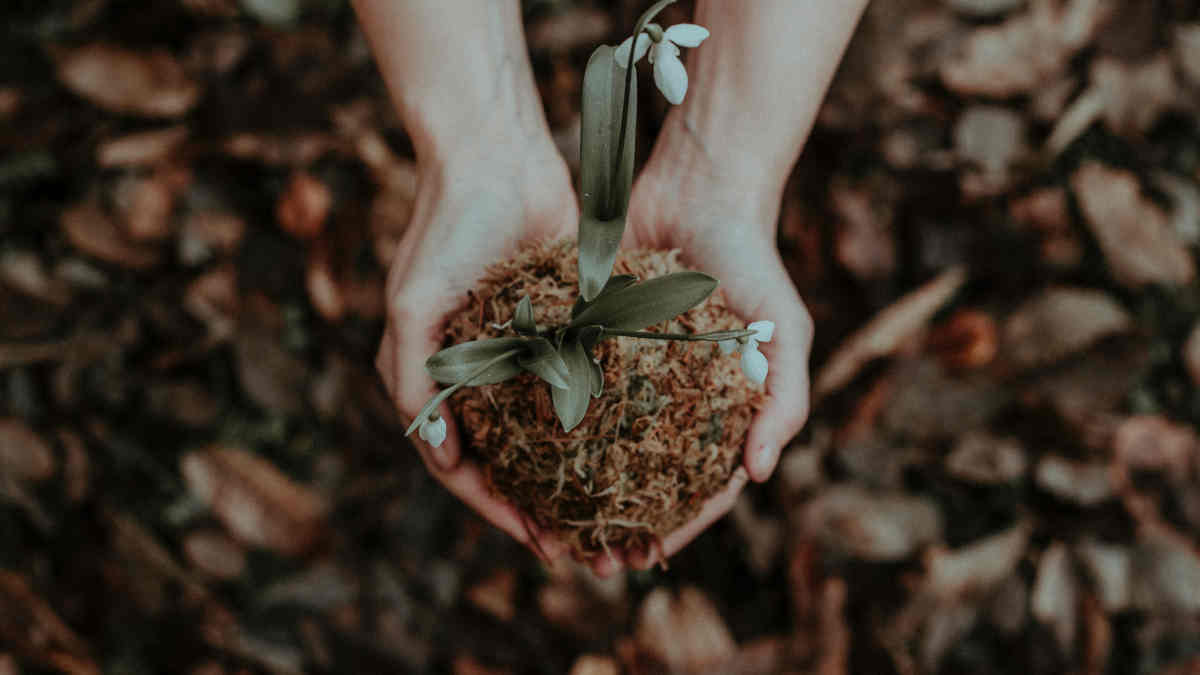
(724, 224)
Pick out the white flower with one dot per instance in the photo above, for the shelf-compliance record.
(754, 364)
(763, 330)
(669, 74)
(433, 431)
(728, 346)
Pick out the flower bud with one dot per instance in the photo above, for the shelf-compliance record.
(433, 431)
(754, 364)
(763, 330)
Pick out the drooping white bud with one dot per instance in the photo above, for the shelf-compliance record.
(433, 431)
(728, 346)
(754, 364)
(763, 330)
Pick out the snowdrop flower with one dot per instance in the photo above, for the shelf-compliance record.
(763, 331)
(754, 364)
(669, 74)
(728, 346)
(433, 431)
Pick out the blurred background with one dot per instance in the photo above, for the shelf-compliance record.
(994, 224)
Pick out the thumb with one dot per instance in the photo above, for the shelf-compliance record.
(787, 404)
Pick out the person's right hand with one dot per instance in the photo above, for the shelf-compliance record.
(471, 211)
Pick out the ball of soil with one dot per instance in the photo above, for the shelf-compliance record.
(665, 435)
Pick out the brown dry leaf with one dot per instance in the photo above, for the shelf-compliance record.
(1154, 443)
(1058, 323)
(144, 203)
(94, 232)
(1055, 596)
(931, 404)
(213, 299)
(683, 632)
(31, 625)
(979, 457)
(1021, 54)
(324, 290)
(1132, 231)
(24, 271)
(1045, 210)
(256, 502)
(595, 664)
(298, 150)
(141, 148)
(271, 376)
(570, 28)
(150, 83)
(965, 341)
(23, 453)
(884, 526)
(304, 206)
(1135, 95)
(1191, 354)
(887, 331)
(76, 466)
(990, 138)
(324, 586)
(1187, 50)
(977, 567)
(762, 535)
(1085, 483)
(215, 554)
(948, 623)
(1109, 567)
(863, 241)
(1184, 194)
(1009, 605)
(494, 595)
(582, 603)
(1166, 571)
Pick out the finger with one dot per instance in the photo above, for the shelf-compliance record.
(416, 336)
(787, 403)
(717, 506)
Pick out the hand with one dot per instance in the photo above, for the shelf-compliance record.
(724, 220)
(470, 211)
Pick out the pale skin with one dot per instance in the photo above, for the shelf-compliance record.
(491, 178)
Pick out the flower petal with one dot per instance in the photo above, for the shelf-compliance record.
(621, 55)
(669, 75)
(433, 432)
(728, 346)
(754, 365)
(764, 330)
(686, 34)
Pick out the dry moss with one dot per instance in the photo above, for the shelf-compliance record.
(665, 435)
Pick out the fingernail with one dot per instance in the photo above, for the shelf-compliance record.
(764, 461)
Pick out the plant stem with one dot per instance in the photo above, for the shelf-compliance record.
(717, 336)
(637, 32)
(446, 393)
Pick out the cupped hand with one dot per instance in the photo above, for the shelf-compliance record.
(469, 212)
(723, 221)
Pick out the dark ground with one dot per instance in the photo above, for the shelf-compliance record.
(199, 472)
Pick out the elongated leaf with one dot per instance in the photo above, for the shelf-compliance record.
(605, 182)
(571, 403)
(523, 321)
(649, 302)
(545, 362)
(588, 337)
(475, 377)
(615, 283)
(452, 364)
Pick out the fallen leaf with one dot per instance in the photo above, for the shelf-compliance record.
(94, 232)
(1187, 50)
(1023, 52)
(1109, 566)
(494, 595)
(1045, 210)
(1132, 231)
(209, 232)
(24, 455)
(1166, 571)
(1085, 483)
(977, 567)
(965, 341)
(256, 502)
(323, 587)
(683, 632)
(990, 138)
(883, 526)
(271, 376)
(141, 148)
(1055, 596)
(1184, 194)
(25, 272)
(946, 626)
(887, 331)
(1060, 322)
(1155, 443)
(1135, 95)
(144, 203)
(982, 458)
(762, 535)
(863, 241)
(595, 664)
(150, 83)
(28, 623)
(304, 206)
(215, 554)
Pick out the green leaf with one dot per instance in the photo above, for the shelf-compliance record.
(605, 180)
(523, 321)
(452, 364)
(615, 283)
(649, 302)
(571, 403)
(545, 362)
(588, 337)
(479, 375)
